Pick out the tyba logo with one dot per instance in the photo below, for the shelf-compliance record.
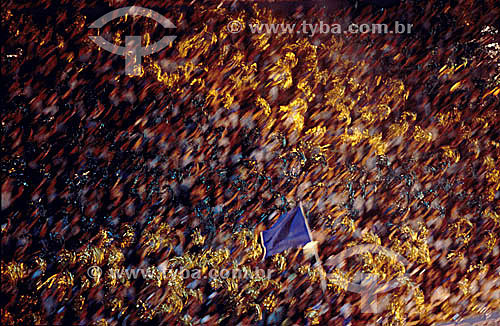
(133, 51)
(369, 285)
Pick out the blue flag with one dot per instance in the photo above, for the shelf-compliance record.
(290, 231)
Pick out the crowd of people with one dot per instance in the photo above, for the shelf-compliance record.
(389, 140)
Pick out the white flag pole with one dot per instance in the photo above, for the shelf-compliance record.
(314, 245)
